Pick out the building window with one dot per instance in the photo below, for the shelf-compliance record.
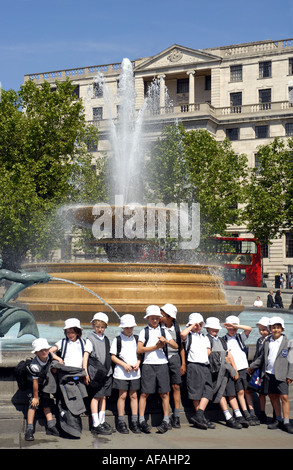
(265, 98)
(257, 164)
(264, 248)
(261, 132)
(289, 245)
(97, 90)
(265, 69)
(289, 128)
(97, 114)
(208, 82)
(75, 92)
(183, 85)
(290, 95)
(233, 133)
(236, 73)
(291, 66)
(236, 102)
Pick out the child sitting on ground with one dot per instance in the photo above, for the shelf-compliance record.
(126, 376)
(36, 379)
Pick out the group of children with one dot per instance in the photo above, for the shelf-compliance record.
(155, 361)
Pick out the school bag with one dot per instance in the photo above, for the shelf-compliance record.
(118, 339)
(22, 370)
(147, 334)
(64, 344)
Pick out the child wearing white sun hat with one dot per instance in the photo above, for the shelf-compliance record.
(276, 367)
(223, 372)
(199, 378)
(97, 364)
(176, 359)
(69, 350)
(126, 376)
(38, 369)
(155, 372)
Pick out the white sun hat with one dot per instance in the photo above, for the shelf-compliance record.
(127, 321)
(264, 321)
(275, 320)
(72, 323)
(153, 310)
(170, 310)
(195, 318)
(100, 316)
(39, 344)
(213, 322)
(233, 319)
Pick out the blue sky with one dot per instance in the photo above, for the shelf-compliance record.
(37, 36)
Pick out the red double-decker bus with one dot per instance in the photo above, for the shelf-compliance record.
(240, 259)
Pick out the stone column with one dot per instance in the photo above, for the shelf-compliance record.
(191, 75)
(162, 93)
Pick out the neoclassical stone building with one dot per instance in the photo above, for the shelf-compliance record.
(239, 91)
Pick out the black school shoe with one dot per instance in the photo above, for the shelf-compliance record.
(199, 421)
(52, 431)
(287, 427)
(134, 427)
(163, 427)
(29, 435)
(244, 423)
(145, 427)
(122, 428)
(233, 423)
(100, 429)
(175, 422)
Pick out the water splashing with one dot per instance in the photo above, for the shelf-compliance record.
(126, 133)
(88, 290)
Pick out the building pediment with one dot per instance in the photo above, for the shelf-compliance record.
(176, 56)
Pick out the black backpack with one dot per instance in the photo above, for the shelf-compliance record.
(21, 372)
(118, 338)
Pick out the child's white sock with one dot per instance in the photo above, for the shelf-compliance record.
(102, 417)
(95, 418)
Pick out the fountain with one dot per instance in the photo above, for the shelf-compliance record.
(137, 272)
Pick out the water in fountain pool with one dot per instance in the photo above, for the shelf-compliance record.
(54, 333)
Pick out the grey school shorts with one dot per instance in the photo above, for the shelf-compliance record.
(155, 378)
(120, 384)
(273, 386)
(104, 391)
(174, 363)
(242, 382)
(199, 381)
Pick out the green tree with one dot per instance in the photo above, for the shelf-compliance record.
(43, 158)
(166, 172)
(218, 178)
(269, 211)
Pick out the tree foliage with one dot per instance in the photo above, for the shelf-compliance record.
(269, 211)
(193, 167)
(43, 160)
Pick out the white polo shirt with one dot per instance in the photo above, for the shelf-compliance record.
(198, 351)
(128, 354)
(239, 356)
(158, 356)
(73, 354)
(274, 346)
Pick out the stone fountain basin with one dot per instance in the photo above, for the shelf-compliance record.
(128, 288)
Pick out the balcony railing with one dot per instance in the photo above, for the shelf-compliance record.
(206, 109)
